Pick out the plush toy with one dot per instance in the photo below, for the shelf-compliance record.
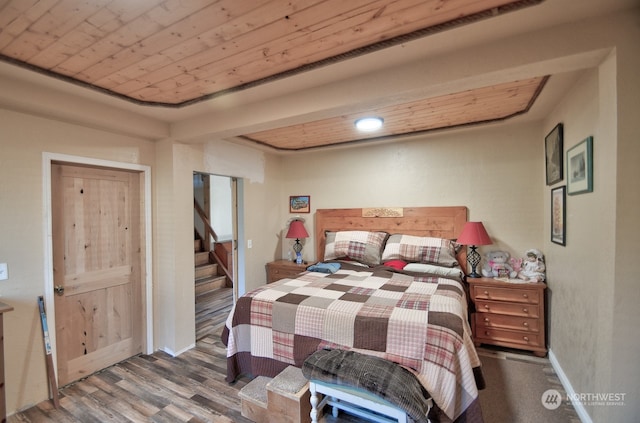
(516, 264)
(497, 265)
(533, 268)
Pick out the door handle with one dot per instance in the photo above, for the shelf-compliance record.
(59, 290)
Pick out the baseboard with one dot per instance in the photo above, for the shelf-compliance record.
(580, 410)
(175, 354)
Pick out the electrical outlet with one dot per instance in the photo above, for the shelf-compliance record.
(249, 243)
(4, 272)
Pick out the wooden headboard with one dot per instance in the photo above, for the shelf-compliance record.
(440, 222)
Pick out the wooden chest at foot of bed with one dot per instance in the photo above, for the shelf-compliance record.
(282, 399)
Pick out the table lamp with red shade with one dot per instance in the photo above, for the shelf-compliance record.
(474, 234)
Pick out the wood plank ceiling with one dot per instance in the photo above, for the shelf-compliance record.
(174, 53)
(464, 108)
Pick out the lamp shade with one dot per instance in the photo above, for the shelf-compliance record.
(474, 233)
(297, 230)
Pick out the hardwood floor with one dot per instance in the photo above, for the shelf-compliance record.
(157, 387)
(212, 309)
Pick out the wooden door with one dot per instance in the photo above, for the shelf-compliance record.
(97, 257)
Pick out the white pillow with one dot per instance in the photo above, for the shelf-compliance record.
(447, 272)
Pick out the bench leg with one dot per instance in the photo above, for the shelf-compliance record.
(334, 409)
(314, 402)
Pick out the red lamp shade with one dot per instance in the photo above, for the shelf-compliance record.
(474, 233)
(297, 230)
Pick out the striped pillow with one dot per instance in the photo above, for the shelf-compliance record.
(362, 246)
(416, 249)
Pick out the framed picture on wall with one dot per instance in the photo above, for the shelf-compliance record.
(558, 215)
(554, 154)
(580, 167)
(299, 204)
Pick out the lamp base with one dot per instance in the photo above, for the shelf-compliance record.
(297, 247)
(474, 260)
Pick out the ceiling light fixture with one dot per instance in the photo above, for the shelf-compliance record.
(369, 124)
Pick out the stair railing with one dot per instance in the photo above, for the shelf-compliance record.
(210, 234)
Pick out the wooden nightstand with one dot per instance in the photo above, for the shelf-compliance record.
(281, 269)
(508, 314)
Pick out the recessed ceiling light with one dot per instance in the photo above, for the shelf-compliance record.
(369, 124)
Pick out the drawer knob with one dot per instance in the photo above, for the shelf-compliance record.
(526, 338)
(525, 295)
(526, 323)
(487, 333)
(486, 293)
(486, 319)
(526, 310)
(486, 306)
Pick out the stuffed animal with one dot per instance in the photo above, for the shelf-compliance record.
(516, 264)
(533, 268)
(497, 265)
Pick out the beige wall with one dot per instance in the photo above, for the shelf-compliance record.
(625, 374)
(495, 172)
(581, 274)
(594, 313)
(24, 138)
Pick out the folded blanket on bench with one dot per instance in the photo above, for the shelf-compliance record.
(382, 378)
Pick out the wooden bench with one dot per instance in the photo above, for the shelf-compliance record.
(364, 385)
(353, 400)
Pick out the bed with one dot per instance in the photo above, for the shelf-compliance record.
(399, 295)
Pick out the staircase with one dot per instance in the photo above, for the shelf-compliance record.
(207, 278)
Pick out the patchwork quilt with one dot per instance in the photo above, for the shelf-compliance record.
(418, 320)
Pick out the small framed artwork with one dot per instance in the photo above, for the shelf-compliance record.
(554, 154)
(558, 215)
(299, 204)
(580, 167)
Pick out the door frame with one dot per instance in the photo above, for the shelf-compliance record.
(237, 201)
(145, 195)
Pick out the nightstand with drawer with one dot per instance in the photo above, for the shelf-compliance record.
(281, 269)
(508, 314)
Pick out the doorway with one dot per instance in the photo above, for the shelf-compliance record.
(215, 250)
